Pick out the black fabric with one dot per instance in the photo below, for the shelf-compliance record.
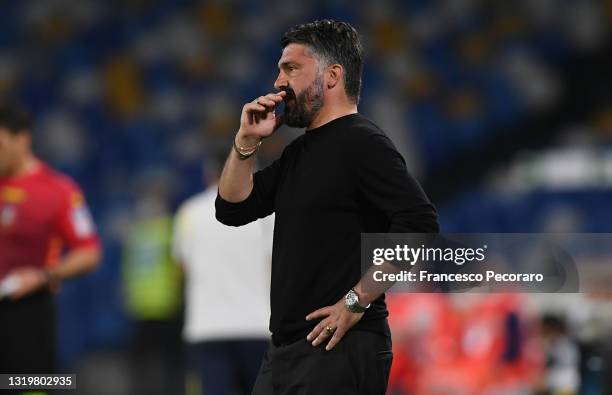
(27, 334)
(329, 186)
(359, 364)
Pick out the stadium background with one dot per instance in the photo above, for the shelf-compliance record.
(503, 110)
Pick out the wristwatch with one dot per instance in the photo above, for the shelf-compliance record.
(351, 301)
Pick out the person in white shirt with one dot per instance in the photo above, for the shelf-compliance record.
(224, 267)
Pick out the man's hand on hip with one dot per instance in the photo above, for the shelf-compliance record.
(338, 320)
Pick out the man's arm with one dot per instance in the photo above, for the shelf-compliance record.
(236, 182)
(257, 121)
(243, 196)
(76, 262)
(385, 181)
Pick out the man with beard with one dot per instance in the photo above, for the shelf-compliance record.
(343, 177)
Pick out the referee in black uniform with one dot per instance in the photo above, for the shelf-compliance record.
(341, 178)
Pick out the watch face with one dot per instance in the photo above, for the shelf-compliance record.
(351, 298)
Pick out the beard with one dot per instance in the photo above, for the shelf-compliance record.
(302, 109)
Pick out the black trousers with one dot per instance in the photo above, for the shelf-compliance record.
(358, 365)
(27, 334)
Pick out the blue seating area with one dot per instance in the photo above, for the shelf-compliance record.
(480, 211)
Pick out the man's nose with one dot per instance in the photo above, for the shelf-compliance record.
(280, 81)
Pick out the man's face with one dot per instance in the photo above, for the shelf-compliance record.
(11, 145)
(300, 75)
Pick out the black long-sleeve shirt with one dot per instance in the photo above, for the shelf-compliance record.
(329, 186)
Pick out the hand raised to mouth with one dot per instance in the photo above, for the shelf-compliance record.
(290, 93)
(259, 120)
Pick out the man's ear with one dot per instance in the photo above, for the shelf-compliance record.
(334, 75)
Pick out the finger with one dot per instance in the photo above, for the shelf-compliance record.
(254, 107)
(275, 97)
(324, 334)
(314, 333)
(317, 329)
(269, 116)
(265, 101)
(279, 121)
(338, 335)
(250, 119)
(322, 312)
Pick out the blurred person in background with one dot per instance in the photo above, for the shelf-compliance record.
(227, 277)
(153, 290)
(605, 348)
(46, 236)
(462, 344)
(343, 177)
(562, 375)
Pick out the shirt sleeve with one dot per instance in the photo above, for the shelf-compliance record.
(386, 183)
(75, 224)
(259, 204)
